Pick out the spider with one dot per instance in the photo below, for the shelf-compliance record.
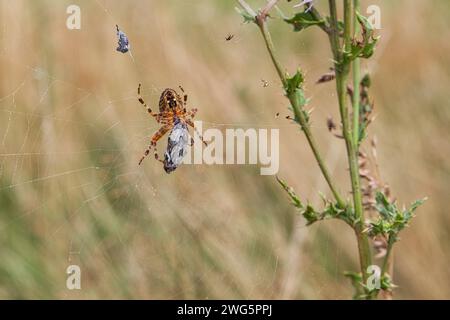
(174, 117)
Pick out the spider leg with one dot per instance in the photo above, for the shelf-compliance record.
(158, 135)
(149, 110)
(185, 96)
(155, 152)
(192, 112)
(189, 122)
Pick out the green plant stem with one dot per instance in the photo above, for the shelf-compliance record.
(317, 16)
(385, 265)
(299, 115)
(334, 32)
(342, 72)
(342, 69)
(271, 49)
(356, 81)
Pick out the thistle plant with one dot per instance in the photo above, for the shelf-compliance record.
(375, 219)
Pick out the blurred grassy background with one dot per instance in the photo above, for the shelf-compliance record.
(72, 131)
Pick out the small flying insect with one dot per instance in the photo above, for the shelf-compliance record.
(122, 42)
(175, 118)
(330, 124)
(229, 37)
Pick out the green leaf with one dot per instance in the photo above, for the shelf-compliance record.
(366, 47)
(290, 191)
(386, 283)
(303, 20)
(417, 204)
(307, 212)
(364, 22)
(356, 280)
(310, 215)
(392, 220)
(384, 207)
(294, 82)
(247, 16)
(331, 210)
(306, 113)
(293, 88)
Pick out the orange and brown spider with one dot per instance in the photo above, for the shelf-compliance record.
(172, 112)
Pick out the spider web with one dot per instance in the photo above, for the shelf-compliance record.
(65, 166)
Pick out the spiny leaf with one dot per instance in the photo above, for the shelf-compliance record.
(290, 191)
(384, 207)
(356, 280)
(392, 220)
(294, 90)
(247, 16)
(310, 215)
(364, 22)
(417, 204)
(366, 47)
(331, 210)
(307, 212)
(386, 283)
(294, 82)
(303, 20)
